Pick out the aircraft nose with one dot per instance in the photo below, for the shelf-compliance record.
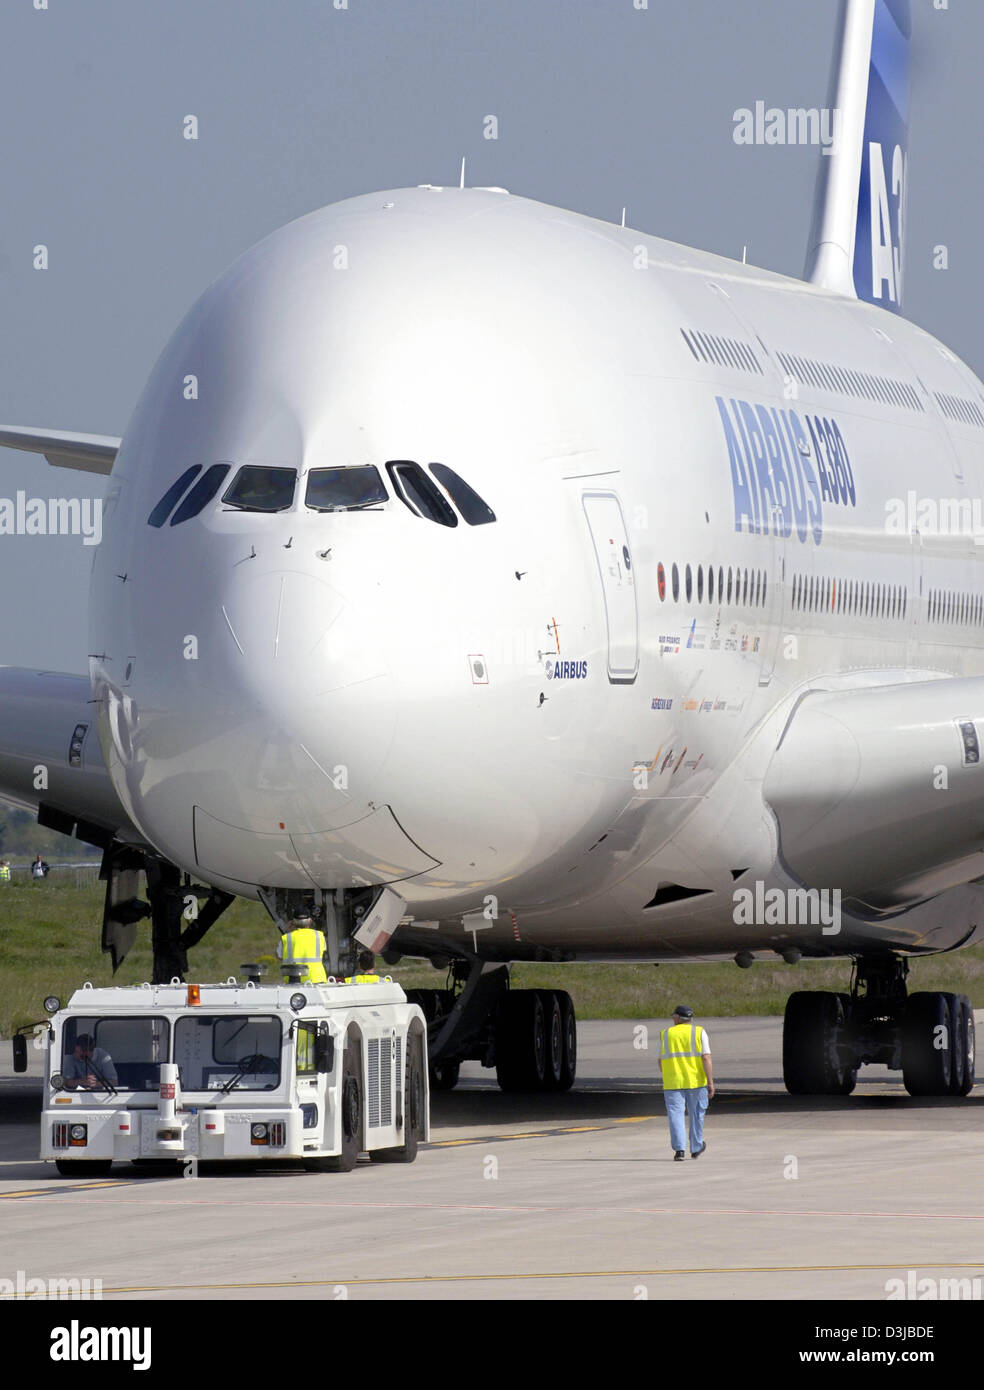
(311, 690)
(296, 628)
(309, 721)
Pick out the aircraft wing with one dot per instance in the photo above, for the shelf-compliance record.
(50, 757)
(880, 792)
(89, 453)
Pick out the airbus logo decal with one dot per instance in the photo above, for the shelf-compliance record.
(567, 670)
(784, 468)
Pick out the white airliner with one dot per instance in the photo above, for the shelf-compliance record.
(500, 584)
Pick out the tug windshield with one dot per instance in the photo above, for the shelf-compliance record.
(219, 1052)
(105, 1054)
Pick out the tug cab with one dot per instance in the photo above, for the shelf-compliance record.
(234, 1071)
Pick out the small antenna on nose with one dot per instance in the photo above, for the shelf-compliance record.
(289, 543)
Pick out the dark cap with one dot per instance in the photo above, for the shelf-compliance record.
(683, 1011)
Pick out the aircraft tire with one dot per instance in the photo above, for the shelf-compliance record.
(849, 1074)
(568, 1020)
(964, 1045)
(811, 1065)
(520, 1041)
(553, 1063)
(927, 1069)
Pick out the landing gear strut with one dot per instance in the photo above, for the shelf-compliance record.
(929, 1036)
(174, 930)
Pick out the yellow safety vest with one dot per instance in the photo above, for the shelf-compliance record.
(305, 1050)
(305, 947)
(363, 979)
(680, 1049)
(5, 873)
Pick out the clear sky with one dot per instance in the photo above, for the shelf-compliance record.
(299, 104)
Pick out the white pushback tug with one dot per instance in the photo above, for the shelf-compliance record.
(235, 1071)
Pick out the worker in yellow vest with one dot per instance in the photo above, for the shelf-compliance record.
(365, 962)
(303, 946)
(4, 872)
(688, 1082)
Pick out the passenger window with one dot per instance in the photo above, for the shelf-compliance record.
(466, 499)
(700, 583)
(202, 493)
(419, 495)
(710, 583)
(675, 577)
(256, 489)
(344, 489)
(688, 583)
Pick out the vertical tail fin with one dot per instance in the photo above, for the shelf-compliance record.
(857, 241)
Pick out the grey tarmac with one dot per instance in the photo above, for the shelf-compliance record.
(573, 1196)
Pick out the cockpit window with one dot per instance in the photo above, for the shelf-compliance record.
(417, 492)
(162, 511)
(344, 489)
(202, 493)
(257, 489)
(466, 499)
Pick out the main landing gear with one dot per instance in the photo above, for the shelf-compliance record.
(928, 1036)
(528, 1035)
(180, 911)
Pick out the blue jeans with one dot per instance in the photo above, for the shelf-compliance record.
(693, 1103)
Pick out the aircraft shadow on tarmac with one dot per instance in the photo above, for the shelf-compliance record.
(623, 1098)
